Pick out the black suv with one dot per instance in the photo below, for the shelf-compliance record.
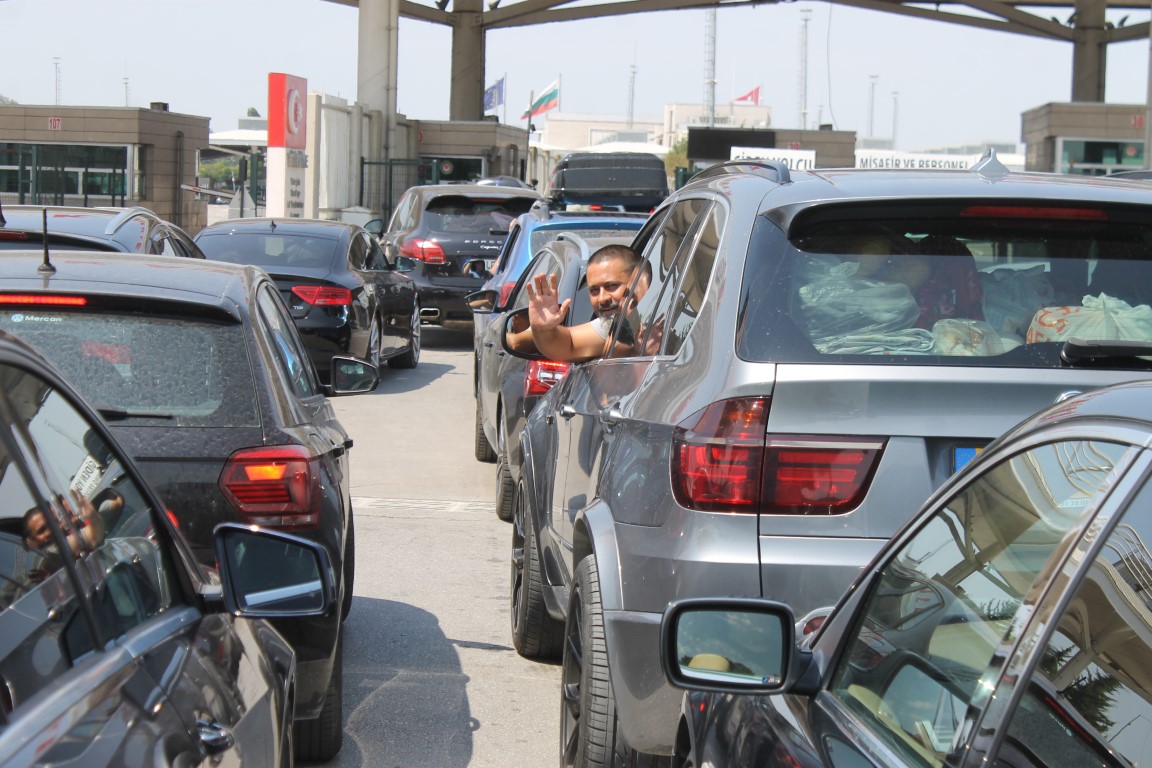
(128, 230)
(202, 376)
(604, 181)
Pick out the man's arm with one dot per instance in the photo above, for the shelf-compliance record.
(553, 339)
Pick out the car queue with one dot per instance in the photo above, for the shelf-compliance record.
(715, 526)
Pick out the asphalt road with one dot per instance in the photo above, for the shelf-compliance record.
(431, 679)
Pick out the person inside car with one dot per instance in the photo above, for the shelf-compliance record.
(609, 275)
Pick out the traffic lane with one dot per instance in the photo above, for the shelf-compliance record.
(431, 678)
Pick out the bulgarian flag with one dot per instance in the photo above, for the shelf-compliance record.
(548, 99)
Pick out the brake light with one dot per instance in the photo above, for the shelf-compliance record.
(277, 487)
(428, 251)
(505, 292)
(41, 299)
(9, 235)
(724, 461)
(1032, 212)
(542, 375)
(323, 295)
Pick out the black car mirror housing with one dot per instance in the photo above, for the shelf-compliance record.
(352, 376)
(516, 336)
(271, 574)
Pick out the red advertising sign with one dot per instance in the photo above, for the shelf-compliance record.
(287, 111)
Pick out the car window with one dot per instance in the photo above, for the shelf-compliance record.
(930, 283)
(376, 260)
(357, 253)
(509, 248)
(926, 633)
(476, 215)
(122, 362)
(545, 263)
(404, 218)
(671, 326)
(72, 518)
(1089, 700)
(662, 257)
(294, 362)
(271, 249)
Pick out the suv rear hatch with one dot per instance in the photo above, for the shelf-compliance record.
(901, 338)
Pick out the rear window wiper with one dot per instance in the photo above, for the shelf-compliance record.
(111, 413)
(1080, 351)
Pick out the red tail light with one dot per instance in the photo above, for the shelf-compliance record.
(541, 375)
(9, 235)
(428, 251)
(43, 300)
(323, 295)
(276, 487)
(724, 461)
(505, 292)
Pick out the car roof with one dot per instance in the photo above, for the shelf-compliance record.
(89, 222)
(263, 225)
(166, 278)
(488, 191)
(788, 192)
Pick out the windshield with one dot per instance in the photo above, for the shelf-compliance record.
(269, 250)
(932, 284)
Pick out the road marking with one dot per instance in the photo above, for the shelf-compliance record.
(425, 505)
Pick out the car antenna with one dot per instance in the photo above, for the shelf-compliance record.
(272, 224)
(45, 267)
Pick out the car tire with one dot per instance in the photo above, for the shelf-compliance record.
(410, 357)
(483, 449)
(587, 703)
(349, 567)
(319, 740)
(535, 634)
(505, 487)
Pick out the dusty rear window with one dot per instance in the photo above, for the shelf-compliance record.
(1004, 283)
(147, 369)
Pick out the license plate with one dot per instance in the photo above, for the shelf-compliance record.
(962, 454)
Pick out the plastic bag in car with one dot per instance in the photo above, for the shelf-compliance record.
(835, 302)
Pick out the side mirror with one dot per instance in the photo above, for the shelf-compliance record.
(273, 574)
(731, 645)
(516, 336)
(483, 302)
(351, 376)
(375, 227)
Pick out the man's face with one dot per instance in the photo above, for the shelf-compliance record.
(39, 534)
(608, 285)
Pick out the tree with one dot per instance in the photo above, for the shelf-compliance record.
(677, 157)
(252, 112)
(5, 100)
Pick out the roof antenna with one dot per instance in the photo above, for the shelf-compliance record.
(46, 267)
(989, 166)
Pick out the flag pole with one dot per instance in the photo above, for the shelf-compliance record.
(528, 140)
(503, 100)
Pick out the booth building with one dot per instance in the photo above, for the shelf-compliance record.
(97, 156)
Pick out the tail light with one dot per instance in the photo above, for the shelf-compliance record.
(43, 300)
(277, 487)
(428, 251)
(541, 375)
(723, 460)
(323, 295)
(14, 236)
(505, 292)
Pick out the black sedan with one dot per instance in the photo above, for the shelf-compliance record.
(127, 230)
(344, 296)
(447, 237)
(1007, 624)
(119, 650)
(202, 377)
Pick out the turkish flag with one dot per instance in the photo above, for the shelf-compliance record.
(752, 97)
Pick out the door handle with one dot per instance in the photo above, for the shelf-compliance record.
(611, 416)
(567, 411)
(214, 736)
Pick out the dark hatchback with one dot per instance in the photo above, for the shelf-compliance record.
(127, 230)
(344, 296)
(201, 374)
(447, 237)
(126, 652)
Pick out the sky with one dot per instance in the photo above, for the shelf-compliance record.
(931, 84)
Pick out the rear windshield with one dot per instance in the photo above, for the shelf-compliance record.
(458, 213)
(996, 284)
(148, 369)
(270, 250)
(541, 236)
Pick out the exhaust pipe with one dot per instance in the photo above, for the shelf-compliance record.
(429, 313)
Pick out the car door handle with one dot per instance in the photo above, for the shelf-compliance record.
(611, 416)
(567, 411)
(214, 736)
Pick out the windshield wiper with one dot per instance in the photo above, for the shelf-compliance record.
(1077, 351)
(111, 413)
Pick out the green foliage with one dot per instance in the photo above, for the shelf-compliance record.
(5, 100)
(222, 171)
(1091, 693)
(252, 112)
(677, 157)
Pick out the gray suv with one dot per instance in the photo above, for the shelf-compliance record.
(814, 355)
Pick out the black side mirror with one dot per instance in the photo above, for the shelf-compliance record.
(516, 336)
(375, 227)
(483, 302)
(351, 376)
(273, 574)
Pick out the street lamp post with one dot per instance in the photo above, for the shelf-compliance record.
(872, 105)
(895, 105)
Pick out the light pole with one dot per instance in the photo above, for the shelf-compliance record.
(804, 14)
(895, 105)
(872, 104)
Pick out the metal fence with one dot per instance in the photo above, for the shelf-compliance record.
(382, 182)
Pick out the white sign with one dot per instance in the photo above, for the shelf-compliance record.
(888, 158)
(87, 478)
(795, 159)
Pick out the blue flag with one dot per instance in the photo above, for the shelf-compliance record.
(494, 95)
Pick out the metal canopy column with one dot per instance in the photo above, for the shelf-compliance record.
(376, 61)
(467, 99)
(1089, 51)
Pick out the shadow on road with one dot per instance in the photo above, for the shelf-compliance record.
(451, 341)
(395, 381)
(405, 696)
